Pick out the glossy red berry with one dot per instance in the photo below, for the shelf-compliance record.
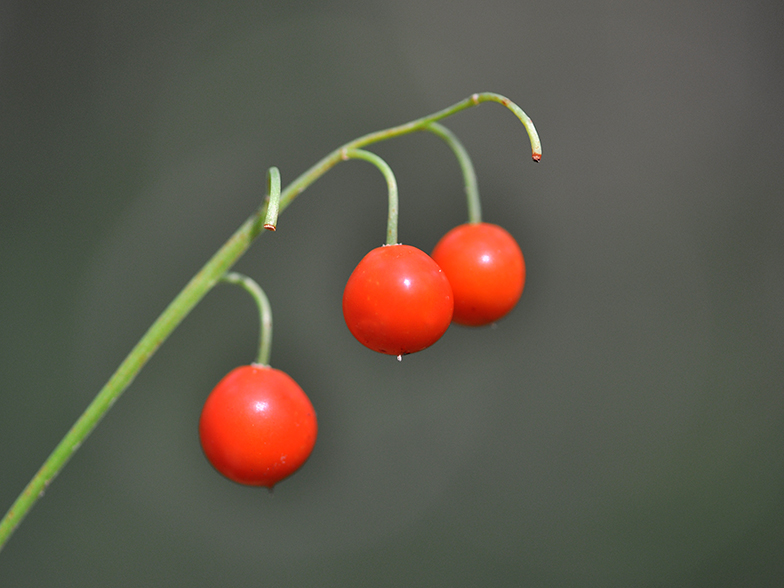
(486, 269)
(257, 426)
(397, 300)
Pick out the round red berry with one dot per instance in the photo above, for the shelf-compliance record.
(486, 269)
(257, 426)
(397, 300)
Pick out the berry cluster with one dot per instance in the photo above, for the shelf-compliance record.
(258, 426)
(399, 300)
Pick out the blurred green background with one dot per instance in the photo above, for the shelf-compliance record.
(624, 426)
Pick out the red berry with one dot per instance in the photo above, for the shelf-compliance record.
(257, 426)
(486, 269)
(397, 300)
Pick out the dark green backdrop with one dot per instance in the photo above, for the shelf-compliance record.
(622, 427)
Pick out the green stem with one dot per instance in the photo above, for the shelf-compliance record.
(265, 312)
(172, 316)
(198, 287)
(469, 175)
(326, 163)
(391, 187)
